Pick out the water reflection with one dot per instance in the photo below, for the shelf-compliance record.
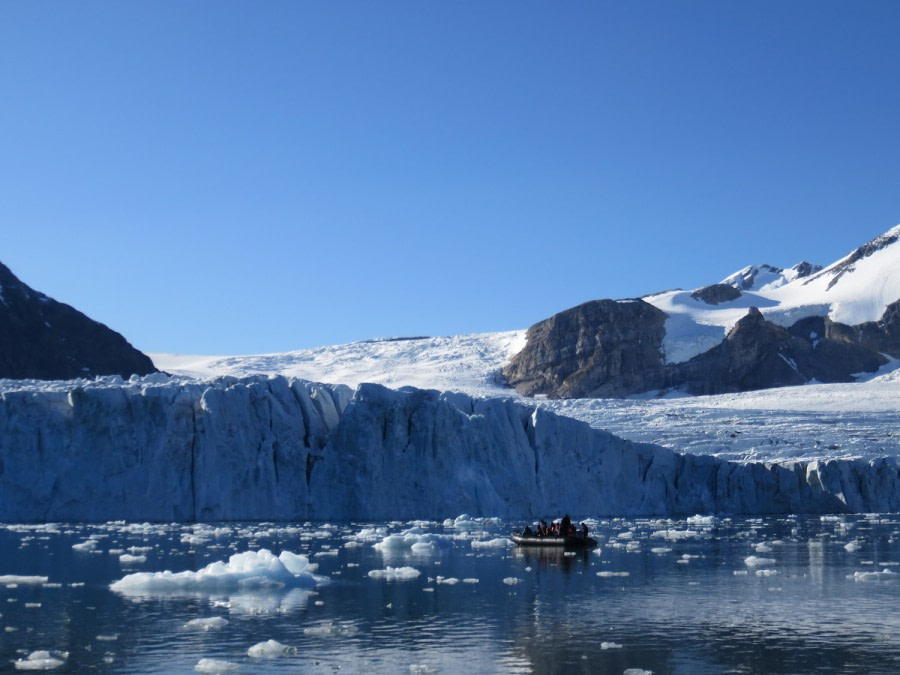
(661, 595)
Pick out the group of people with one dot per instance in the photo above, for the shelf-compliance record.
(563, 528)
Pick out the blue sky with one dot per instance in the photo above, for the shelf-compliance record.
(246, 177)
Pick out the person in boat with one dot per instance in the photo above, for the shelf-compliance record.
(584, 531)
(527, 532)
(542, 529)
(565, 526)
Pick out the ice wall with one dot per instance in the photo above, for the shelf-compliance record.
(279, 449)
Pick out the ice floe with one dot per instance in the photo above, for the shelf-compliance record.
(243, 571)
(395, 573)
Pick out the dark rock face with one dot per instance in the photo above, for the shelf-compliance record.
(602, 348)
(716, 294)
(595, 350)
(41, 338)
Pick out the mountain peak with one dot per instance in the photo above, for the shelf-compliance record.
(768, 277)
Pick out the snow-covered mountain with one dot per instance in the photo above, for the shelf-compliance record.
(856, 289)
(765, 327)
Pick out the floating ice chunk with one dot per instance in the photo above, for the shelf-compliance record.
(270, 649)
(212, 623)
(107, 638)
(20, 579)
(216, 666)
(41, 660)
(395, 573)
(463, 522)
(128, 559)
(613, 574)
(660, 550)
(852, 547)
(677, 535)
(753, 561)
(251, 570)
(332, 629)
(702, 521)
(500, 542)
(610, 645)
(637, 671)
(414, 540)
(423, 668)
(766, 573)
(762, 548)
(85, 546)
(511, 581)
(449, 581)
(740, 573)
(470, 580)
(883, 575)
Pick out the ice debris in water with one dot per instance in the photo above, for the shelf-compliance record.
(851, 547)
(511, 581)
(20, 579)
(414, 540)
(216, 666)
(332, 629)
(883, 575)
(500, 542)
(753, 561)
(610, 645)
(41, 660)
(395, 573)
(252, 569)
(762, 548)
(270, 649)
(212, 623)
(128, 559)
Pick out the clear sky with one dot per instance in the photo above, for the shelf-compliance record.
(245, 177)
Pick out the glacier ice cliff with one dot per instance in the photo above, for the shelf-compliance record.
(274, 448)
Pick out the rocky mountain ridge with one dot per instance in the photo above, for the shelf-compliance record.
(777, 327)
(44, 339)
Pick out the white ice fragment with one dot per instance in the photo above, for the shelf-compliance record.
(851, 547)
(252, 569)
(39, 660)
(613, 574)
(128, 559)
(331, 629)
(702, 521)
(270, 649)
(107, 638)
(500, 542)
(660, 550)
(85, 546)
(740, 573)
(511, 581)
(762, 548)
(884, 575)
(212, 623)
(610, 645)
(753, 561)
(766, 573)
(449, 581)
(216, 666)
(637, 671)
(20, 579)
(395, 573)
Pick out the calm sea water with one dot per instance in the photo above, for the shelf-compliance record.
(770, 595)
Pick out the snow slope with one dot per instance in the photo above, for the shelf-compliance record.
(468, 363)
(853, 290)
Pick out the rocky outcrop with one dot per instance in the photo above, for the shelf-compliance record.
(599, 348)
(756, 354)
(277, 449)
(716, 294)
(44, 339)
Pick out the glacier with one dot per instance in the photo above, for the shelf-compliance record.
(166, 449)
